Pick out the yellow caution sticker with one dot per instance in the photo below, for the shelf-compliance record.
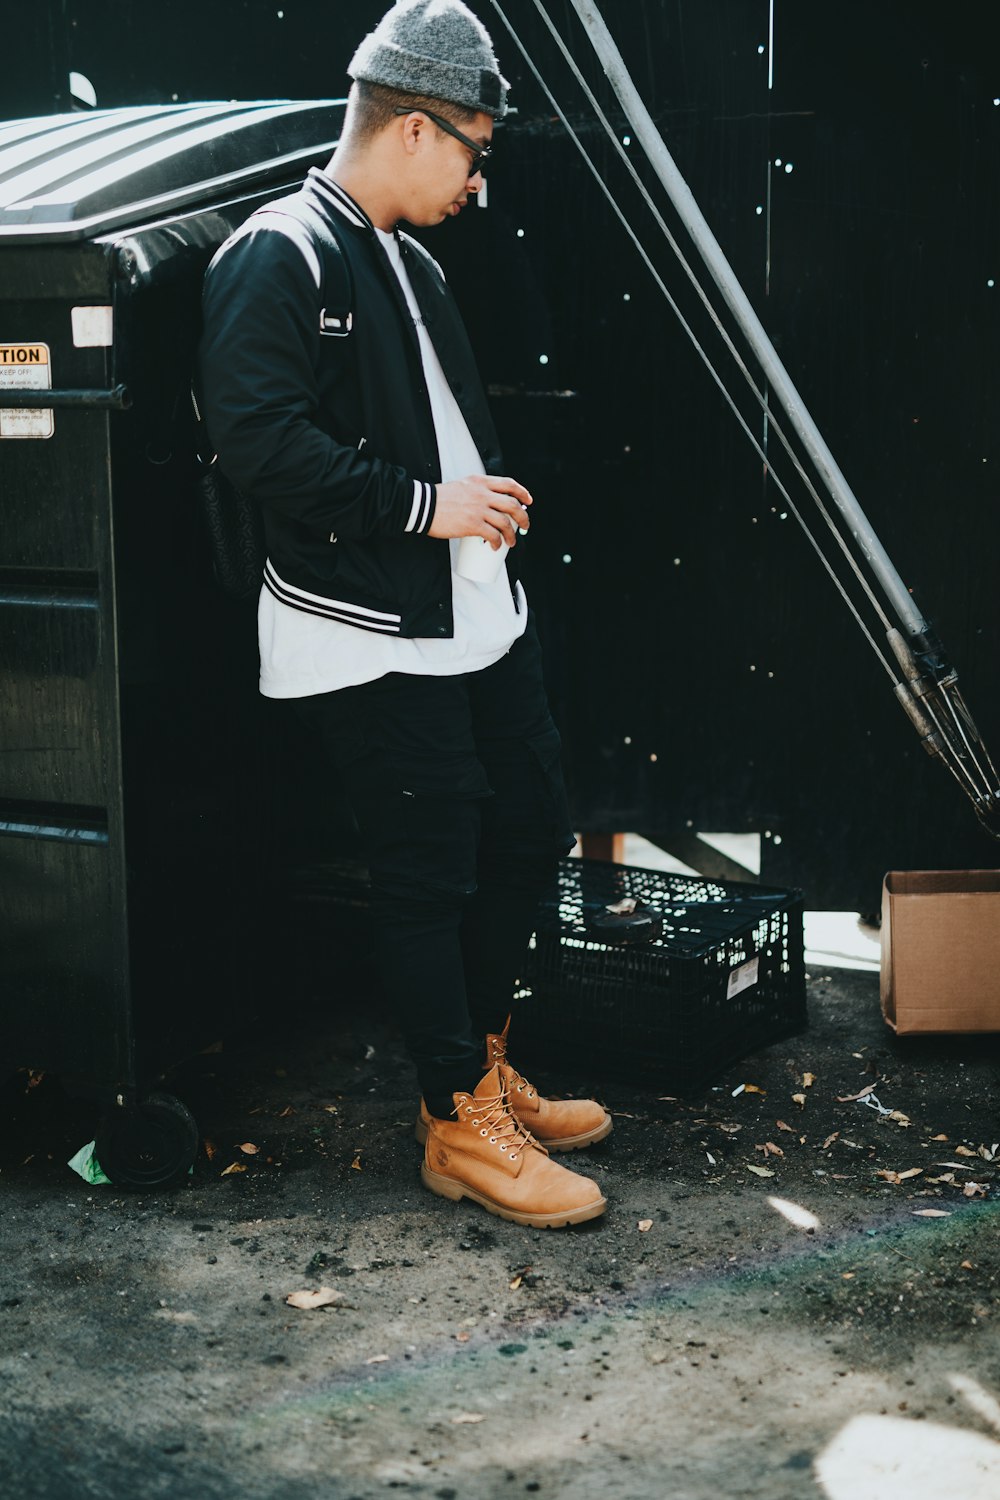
(25, 367)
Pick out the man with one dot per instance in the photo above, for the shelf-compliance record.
(340, 392)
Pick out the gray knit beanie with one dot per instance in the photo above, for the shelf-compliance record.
(434, 47)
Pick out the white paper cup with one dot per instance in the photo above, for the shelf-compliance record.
(478, 561)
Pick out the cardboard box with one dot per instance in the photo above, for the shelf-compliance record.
(941, 950)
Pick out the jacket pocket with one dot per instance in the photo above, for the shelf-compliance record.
(440, 821)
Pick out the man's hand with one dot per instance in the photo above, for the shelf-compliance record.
(481, 505)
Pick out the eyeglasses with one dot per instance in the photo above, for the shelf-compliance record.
(480, 154)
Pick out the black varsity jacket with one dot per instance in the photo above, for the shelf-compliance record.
(325, 420)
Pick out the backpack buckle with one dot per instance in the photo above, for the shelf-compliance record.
(333, 326)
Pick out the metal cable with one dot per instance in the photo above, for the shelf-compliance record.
(706, 361)
(692, 276)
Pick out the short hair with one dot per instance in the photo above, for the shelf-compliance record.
(373, 106)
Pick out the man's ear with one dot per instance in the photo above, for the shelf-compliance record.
(415, 127)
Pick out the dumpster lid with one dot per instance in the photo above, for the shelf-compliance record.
(73, 177)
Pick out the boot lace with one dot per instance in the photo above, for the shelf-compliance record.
(497, 1123)
(498, 1053)
(519, 1083)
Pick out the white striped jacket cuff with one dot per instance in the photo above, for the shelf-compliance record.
(423, 507)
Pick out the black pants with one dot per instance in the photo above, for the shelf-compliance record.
(457, 789)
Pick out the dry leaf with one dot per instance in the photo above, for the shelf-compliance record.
(848, 1275)
(249, 1149)
(782, 1126)
(515, 1283)
(800, 1100)
(236, 1166)
(168, 1315)
(759, 1171)
(945, 1177)
(377, 1359)
(330, 1109)
(987, 1152)
(324, 1296)
(462, 1338)
(939, 1137)
(753, 1088)
(963, 1151)
(209, 1149)
(711, 1159)
(899, 1117)
(288, 1110)
(850, 1098)
(900, 1176)
(967, 1265)
(931, 1213)
(808, 1079)
(770, 1149)
(356, 1163)
(464, 1417)
(956, 1164)
(645, 1224)
(829, 1140)
(974, 1190)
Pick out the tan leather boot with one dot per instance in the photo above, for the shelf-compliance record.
(485, 1155)
(557, 1124)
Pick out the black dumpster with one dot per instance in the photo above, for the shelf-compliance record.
(131, 830)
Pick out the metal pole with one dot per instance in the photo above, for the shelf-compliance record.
(739, 305)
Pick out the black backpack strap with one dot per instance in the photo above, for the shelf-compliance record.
(336, 315)
(233, 520)
(335, 291)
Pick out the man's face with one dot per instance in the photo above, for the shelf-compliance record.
(442, 178)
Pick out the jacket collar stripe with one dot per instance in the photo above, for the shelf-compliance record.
(335, 195)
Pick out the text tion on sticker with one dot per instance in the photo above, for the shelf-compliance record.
(743, 977)
(25, 367)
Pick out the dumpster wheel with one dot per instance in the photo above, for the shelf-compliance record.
(150, 1144)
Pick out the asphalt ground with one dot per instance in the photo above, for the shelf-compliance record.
(695, 1342)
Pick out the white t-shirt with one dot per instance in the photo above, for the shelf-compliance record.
(302, 654)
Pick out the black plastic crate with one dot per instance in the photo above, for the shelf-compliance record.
(725, 978)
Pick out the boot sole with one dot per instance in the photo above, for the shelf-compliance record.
(562, 1143)
(447, 1187)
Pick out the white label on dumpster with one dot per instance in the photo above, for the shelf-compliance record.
(743, 977)
(93, 327)
(24, 365)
